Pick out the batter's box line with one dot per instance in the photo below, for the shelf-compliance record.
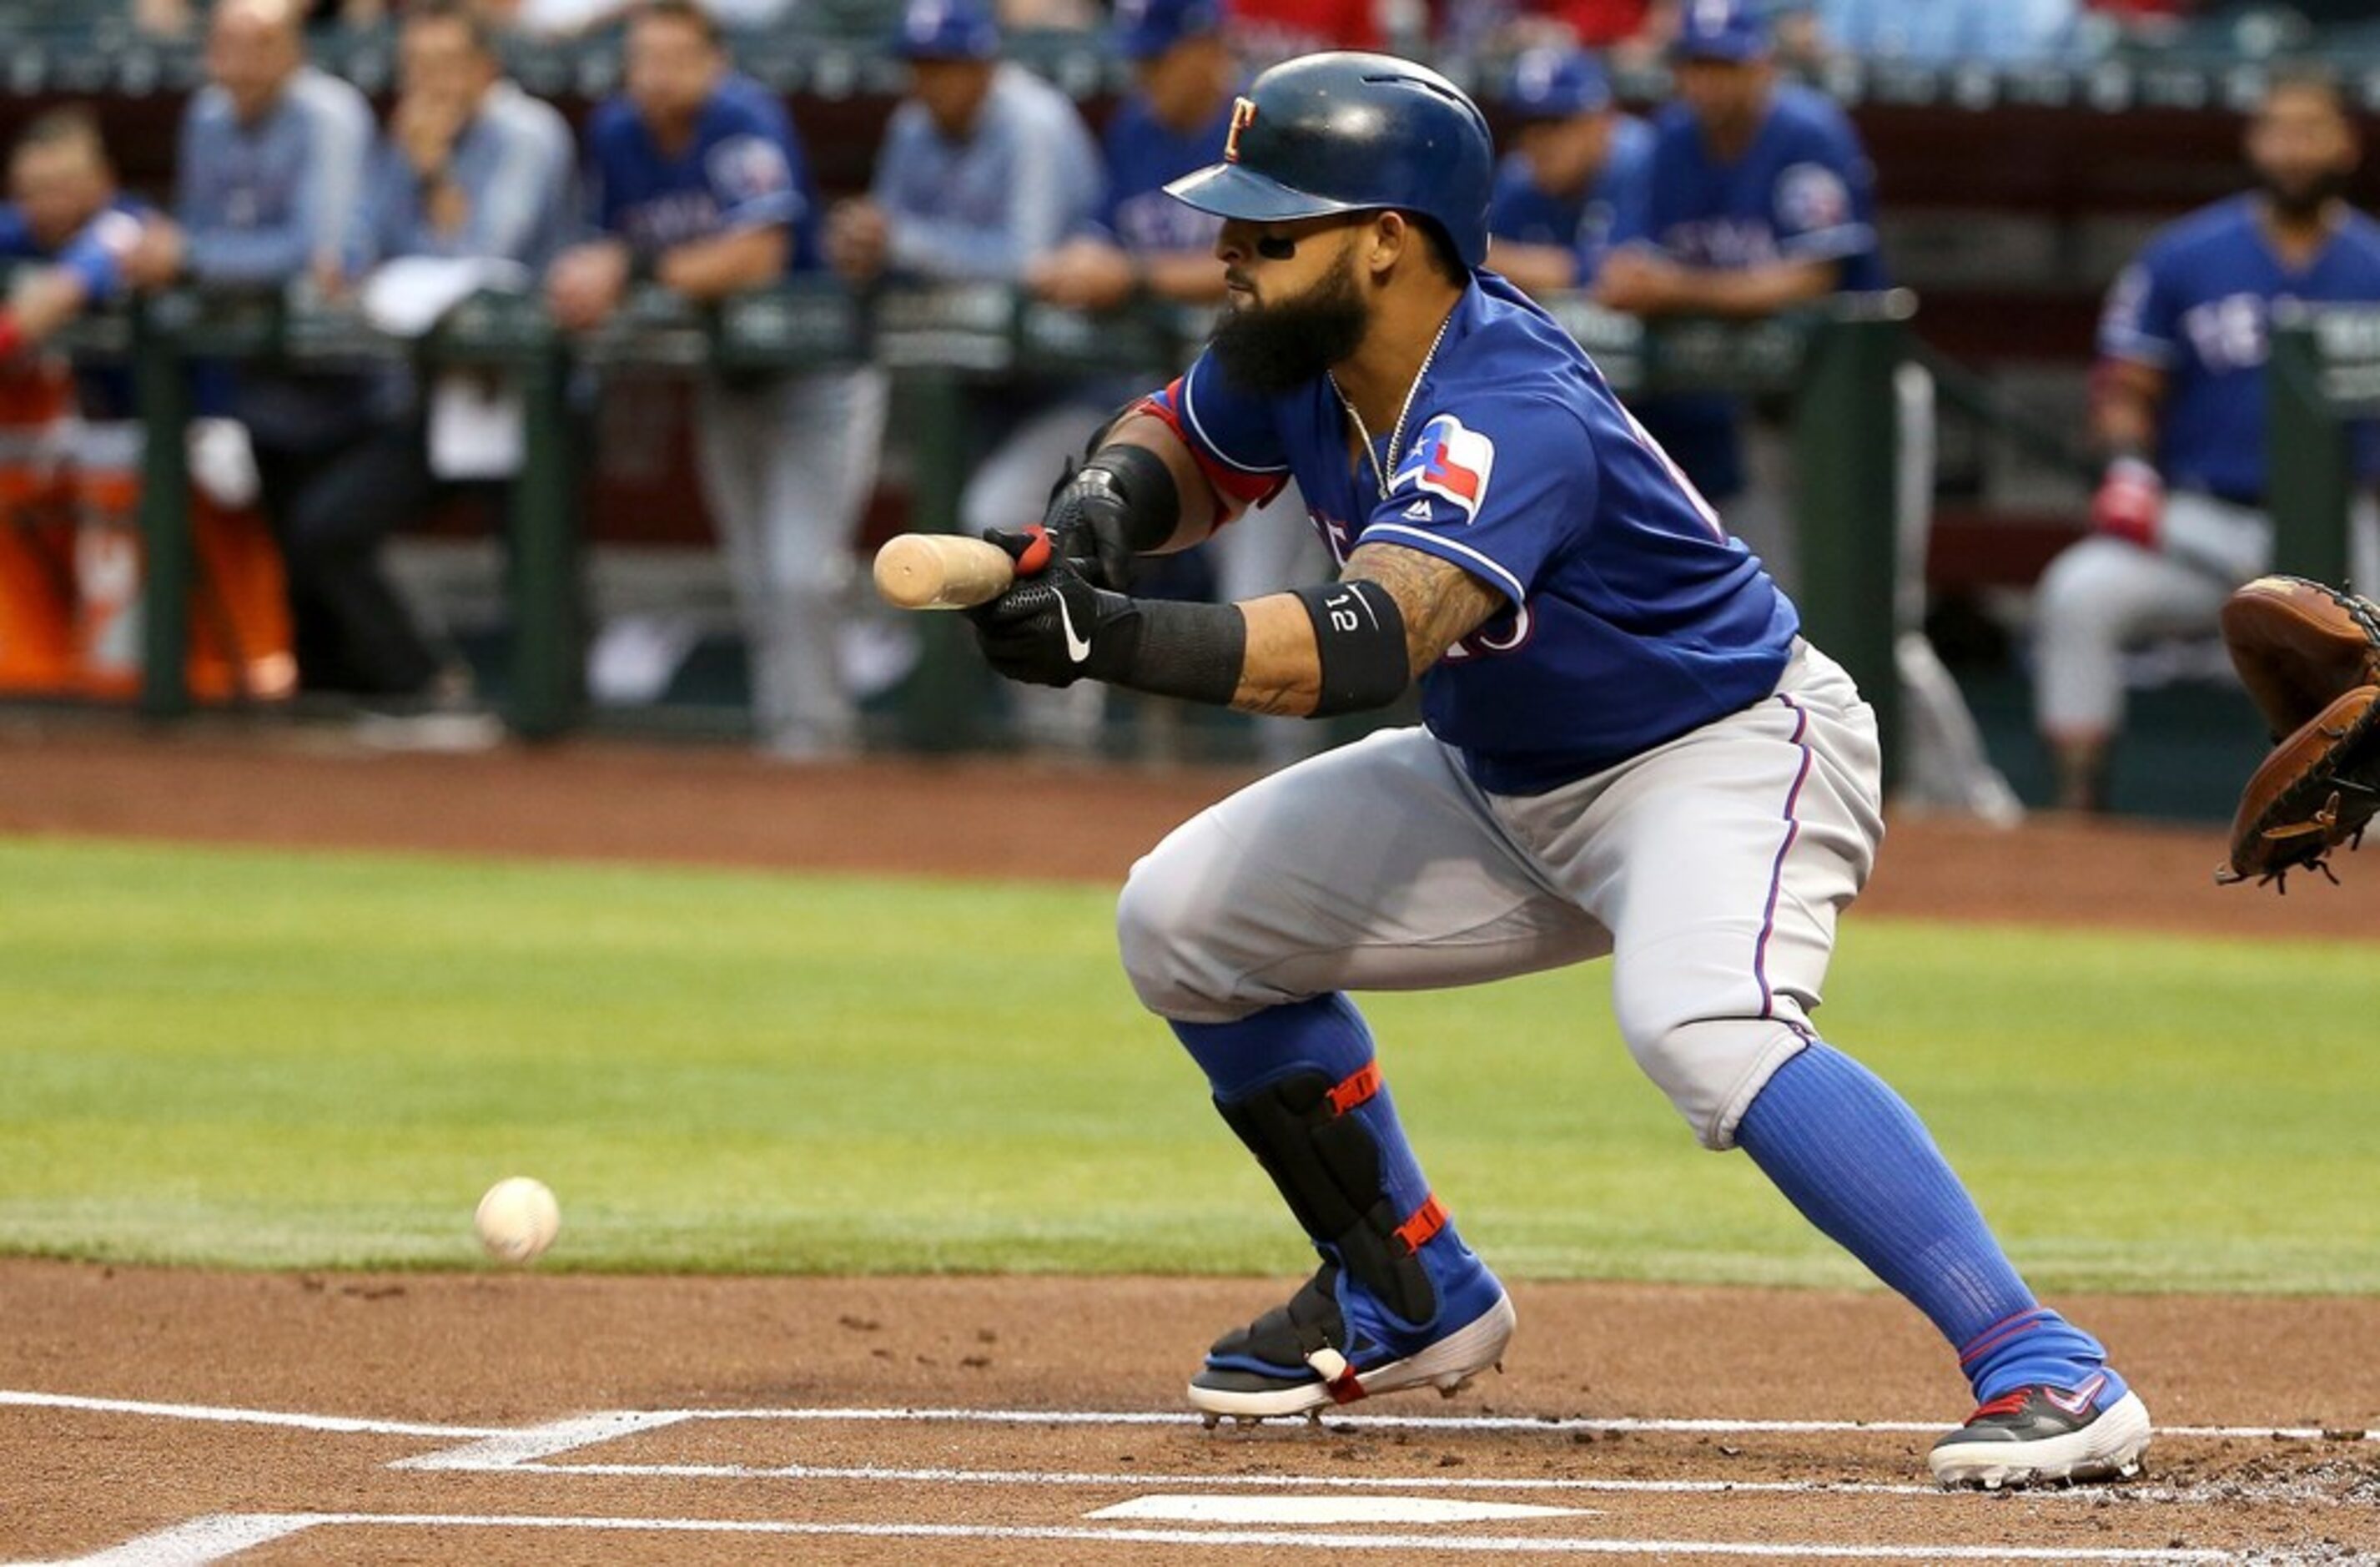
(499, 1438)
(205, 1540)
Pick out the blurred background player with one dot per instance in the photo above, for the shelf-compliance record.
(1761, 200)
(700, 185)
(469, 168)
(2179, 411)
(985, 169)
(1576, 162)
(66, 213)
(268, 177)
(1148, 245)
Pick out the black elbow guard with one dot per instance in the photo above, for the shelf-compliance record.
(1131, 485)
(1361, 633)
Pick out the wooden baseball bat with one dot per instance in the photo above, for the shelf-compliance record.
(947, 571)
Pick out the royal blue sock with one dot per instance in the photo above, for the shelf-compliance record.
(1853, 1158)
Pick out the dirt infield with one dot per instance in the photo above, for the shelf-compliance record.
(732, 1402)
(530, 1419)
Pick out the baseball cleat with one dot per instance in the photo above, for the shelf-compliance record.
(2043, 1433)
(1303, 1357)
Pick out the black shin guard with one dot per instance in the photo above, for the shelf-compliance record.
(1327, 1166)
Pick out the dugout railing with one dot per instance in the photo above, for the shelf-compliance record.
(1831, 366)
(2323, 373)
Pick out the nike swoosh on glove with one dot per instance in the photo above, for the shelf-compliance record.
(1054, 629)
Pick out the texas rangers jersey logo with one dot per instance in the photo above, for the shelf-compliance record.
(747, 167)
(1812, 198)
(1243, 115)
(1450, 461)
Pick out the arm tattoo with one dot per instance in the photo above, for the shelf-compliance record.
(1443, 602)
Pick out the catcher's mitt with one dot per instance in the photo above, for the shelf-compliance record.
(2310, 656)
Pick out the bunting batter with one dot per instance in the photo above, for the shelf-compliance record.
(1628, 751)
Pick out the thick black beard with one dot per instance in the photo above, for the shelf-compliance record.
(2302, 203)
(1274, 350)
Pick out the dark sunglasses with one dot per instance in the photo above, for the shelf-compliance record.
(1281, 247)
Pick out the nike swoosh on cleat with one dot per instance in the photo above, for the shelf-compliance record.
(1078, 647)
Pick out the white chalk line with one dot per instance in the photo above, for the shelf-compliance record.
(1240, 1482)
(1614, 1424)
(207, 1540)
(339, 1423)
(1611, 1424)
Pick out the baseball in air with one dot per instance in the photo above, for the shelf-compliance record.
(517, 1220)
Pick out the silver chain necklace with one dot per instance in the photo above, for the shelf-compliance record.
(1396, 432)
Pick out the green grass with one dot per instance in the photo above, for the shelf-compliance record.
(272, 1059)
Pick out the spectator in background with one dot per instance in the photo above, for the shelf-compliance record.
(1174, 122)
(986, 170)
(2178, 520)
(269, 174)
(1575, 165)
(985, 167)
(700, 186)
(1762, 199)
(469, 167)
(64, 212)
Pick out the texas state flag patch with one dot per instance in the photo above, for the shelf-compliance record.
(1451, 461)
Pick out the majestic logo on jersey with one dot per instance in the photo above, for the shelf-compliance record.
(1243, 115)
(1451, 461)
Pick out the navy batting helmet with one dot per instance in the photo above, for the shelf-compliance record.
(1345, 132)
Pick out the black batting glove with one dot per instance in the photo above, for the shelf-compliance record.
(1054, 629)
(1089, 525)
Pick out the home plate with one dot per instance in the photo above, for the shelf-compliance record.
(1327, 1510)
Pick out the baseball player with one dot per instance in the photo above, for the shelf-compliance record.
(66, 213)
(1575, 163)
(1628, 750)
(2178, 520)
(700, 186)
(1760, 198)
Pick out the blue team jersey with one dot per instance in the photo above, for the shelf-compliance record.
(1142, 155)
(2197, 306)
(1802, 191)
(1521, 210)
(96, 254)
(743, 168)
(1631, 617)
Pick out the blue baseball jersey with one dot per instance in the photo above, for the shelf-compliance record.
(1142, 155)
(743, 168)
(96, 254)
(1631, 618)
(2197, 305)
(1802, 191)
(1520, 209)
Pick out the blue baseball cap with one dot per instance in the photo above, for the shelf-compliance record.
(1554, 84)
(947, 30)
(1146, 28)
(1722, 29)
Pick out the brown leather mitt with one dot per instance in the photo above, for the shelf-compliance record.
(2310, 656)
